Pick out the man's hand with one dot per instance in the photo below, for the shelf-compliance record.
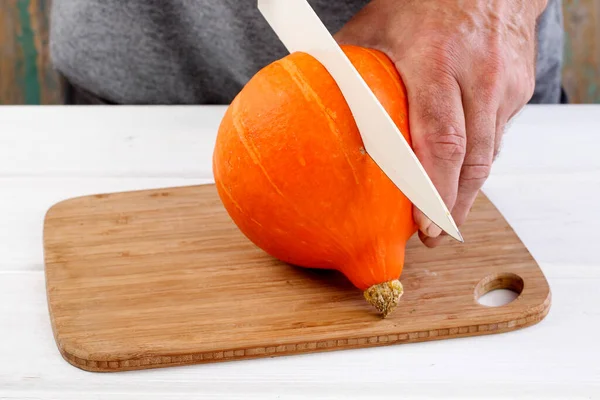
(469, 67)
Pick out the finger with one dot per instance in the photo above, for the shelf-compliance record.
(482, 128)
(457, 211)
(478, 161)
(437, 127)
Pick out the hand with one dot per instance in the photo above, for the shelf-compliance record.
(469, 67)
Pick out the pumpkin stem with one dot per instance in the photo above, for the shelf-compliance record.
(384, 296)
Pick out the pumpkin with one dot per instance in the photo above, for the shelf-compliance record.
(291, 171)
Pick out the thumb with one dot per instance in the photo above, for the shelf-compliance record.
(437, 126)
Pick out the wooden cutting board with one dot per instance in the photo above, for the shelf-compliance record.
(158, 278)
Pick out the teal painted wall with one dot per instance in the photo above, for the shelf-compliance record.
(26, 75)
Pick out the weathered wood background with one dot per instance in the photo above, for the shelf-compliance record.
(26, 76)
(581, 70)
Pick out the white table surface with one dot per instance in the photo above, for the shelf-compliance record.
(546, 183)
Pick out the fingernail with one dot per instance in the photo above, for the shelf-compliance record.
(429, 228)
(433, 230)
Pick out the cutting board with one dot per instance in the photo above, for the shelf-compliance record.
(156, 278)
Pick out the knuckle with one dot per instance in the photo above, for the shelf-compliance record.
(522, 85)
(492, 79)
(494, 63)
(447, 144)
(474, 175)
(442, 53)
(446, 57)
(489, 89)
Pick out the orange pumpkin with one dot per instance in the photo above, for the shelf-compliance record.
(291, 170)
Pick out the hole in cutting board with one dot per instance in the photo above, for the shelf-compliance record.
(498, 289)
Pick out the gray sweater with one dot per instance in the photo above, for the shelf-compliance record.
(204, 51)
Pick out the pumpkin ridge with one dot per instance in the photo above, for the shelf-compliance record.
(313, 98)
(386, 68)
(238, 125)
(236, 204)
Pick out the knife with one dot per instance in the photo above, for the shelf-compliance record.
(300, 29)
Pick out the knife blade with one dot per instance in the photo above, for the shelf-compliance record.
(300, 29)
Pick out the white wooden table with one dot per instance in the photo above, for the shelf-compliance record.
(546, 183)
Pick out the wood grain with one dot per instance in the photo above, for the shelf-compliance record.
(26, 73)
(156, 278)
